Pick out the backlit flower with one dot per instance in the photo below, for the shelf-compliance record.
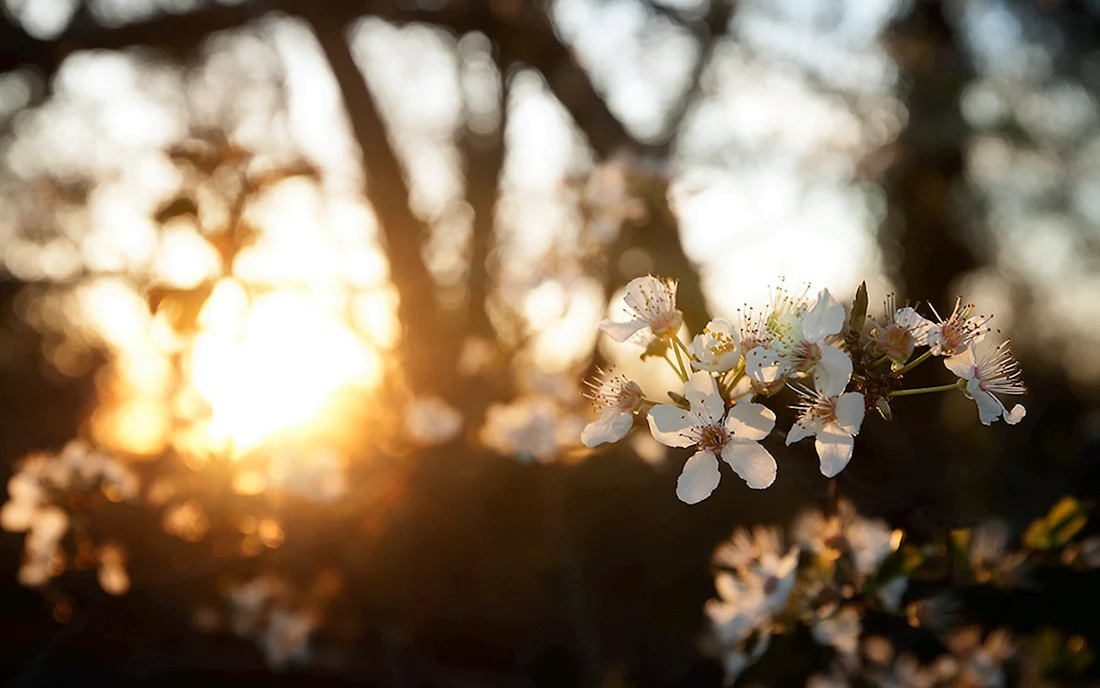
(735, 435)
(619, 399)
(903, 331)
(431, 420)
(955, 335)
(651, 303)
(834, 420)
(988, 371)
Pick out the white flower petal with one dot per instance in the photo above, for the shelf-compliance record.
(611, 426)
(699, 478)
(850, 409)
(701, 391)
(825, 318)
(990, 407)
(833, 371)
(742, 391)
(750, 421)
(962, 364)
(622, 331)
(800, 431)
(668, 424)
(751, 461)
(763, 365)
(834, 449)
(918, 325)
(1016, 414)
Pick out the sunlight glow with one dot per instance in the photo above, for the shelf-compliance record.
(273, 367)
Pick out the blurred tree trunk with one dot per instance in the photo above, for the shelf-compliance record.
(925, 233)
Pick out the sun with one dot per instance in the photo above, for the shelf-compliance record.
(272, 365)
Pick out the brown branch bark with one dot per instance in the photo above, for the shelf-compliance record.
(388, 193)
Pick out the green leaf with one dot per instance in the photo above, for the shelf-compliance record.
(679, 400)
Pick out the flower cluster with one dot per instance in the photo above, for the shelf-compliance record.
(842, 567)
(33, 508)
(838, 362)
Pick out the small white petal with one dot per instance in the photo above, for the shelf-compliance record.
(962, 364)
(701, 391)
(825, 318)
(918, 325)
(699, 478)
(611, 426)
(850, 409)
(989, 407)
(622, 331)
(668, 424)
(800, 431)
(833, 371)
(1016, 414)
(834, 449)
(763, 365)
(751, 461)
(742, 391)
(750, 421)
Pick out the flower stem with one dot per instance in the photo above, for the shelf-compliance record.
(880, 361)
(923, 390)
(914, 363)
(676, 346)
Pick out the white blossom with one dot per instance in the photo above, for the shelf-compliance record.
(734, 434)
(834, 420)
(954, 335)
(903, 331)
(530, 428)
(989, 371)
(619, 399)
(652, 304)
(717, 348)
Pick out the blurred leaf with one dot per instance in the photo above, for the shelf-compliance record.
(1065, 519)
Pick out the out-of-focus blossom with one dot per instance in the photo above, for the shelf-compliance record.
(990, 370)
(610, 201)
(618, 399)
(840, 631)
(532, 428)
(315, 473)
(981, 663)
(431, 420)
(476, 356)
(112, 574)
(648, 448)
(743, 548)
(734, 434)
(285, 639)
(651, 304)
(31, 506)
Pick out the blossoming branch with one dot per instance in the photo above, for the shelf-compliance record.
(838, 362)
